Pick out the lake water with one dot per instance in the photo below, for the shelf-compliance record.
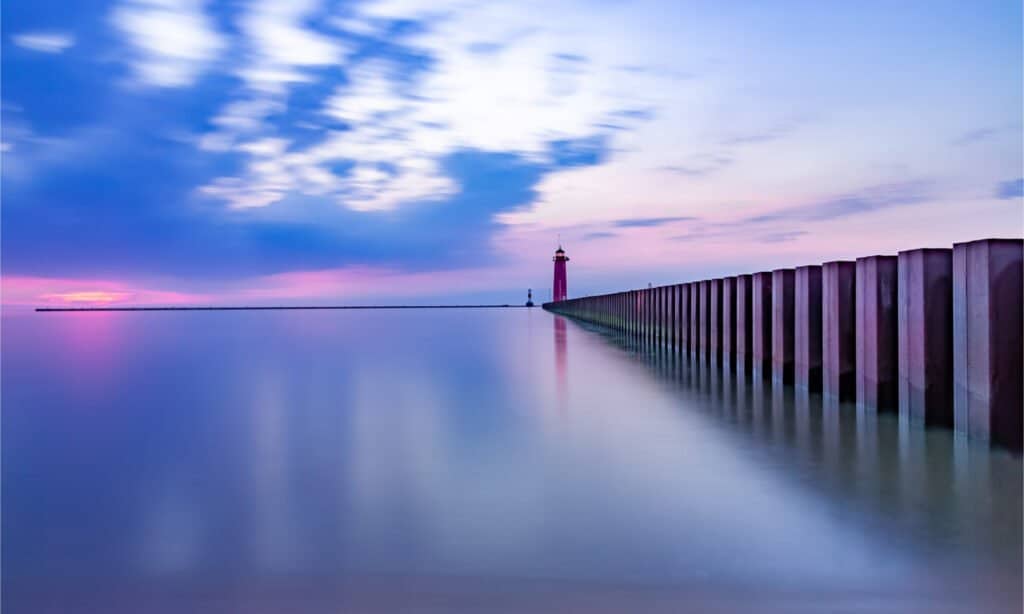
(465, 460)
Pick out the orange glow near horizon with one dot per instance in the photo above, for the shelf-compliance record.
(95, 296)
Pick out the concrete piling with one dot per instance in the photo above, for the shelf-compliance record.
(729, 324)
(925, 311)
(988, 284)
(716, 329)
(783, 312)
(807, 329)
(684, 320)
(761, 325)
(694, 320)
(876, 366)
(705, 320)
(838, 330)
(744, 324)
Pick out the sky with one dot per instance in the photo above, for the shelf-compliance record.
(436, 151)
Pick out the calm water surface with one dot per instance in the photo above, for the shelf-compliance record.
(476, 460)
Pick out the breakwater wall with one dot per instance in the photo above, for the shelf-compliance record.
(933, 334)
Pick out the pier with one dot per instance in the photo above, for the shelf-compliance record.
(933, 334)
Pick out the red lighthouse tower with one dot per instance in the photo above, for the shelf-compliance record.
(560, 291)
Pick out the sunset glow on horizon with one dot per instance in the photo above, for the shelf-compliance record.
(87, 297)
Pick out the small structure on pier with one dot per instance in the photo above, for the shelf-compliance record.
(561, 287)
(529, 297)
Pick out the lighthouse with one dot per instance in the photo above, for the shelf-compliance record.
(560, 290)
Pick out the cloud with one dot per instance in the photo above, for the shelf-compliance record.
(975, 136)
(591, 236)
(1011, 189)
(45, 42)
(648, 222)
(873, 198)
(700, 166)
(641, 114)
(173, 40)
(778, 131)
(150, 220)
(586, 151)
(416, 85)
(782, 237)
(283, 45)
(865, 200)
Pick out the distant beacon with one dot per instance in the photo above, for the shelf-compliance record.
(560, 291)
(529, 297)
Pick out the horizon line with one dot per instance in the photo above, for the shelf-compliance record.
(276, 307)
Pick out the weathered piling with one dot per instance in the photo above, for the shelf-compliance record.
(705, 320)
(744, 324)
(717, 332)
(663, 322)
(666, 319)
(729, 324)
(673, 315)
(807, 329)
(988, 284)
(783, 312)
(925, 308)
(877, 369)
(684, 321)
(677, 314)
(653, 292)
(838, 330)
(633, 314)
(647, 302)
(761, 324)
(695, 321)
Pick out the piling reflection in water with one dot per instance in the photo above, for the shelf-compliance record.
(932, 484)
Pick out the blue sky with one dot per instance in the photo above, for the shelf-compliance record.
(325, 151)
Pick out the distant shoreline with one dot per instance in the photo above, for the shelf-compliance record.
(278, 308)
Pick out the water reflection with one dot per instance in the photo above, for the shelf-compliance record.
(379, 461)
(561, 365)
(926, 487)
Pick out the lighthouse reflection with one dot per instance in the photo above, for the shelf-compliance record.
(561, 364)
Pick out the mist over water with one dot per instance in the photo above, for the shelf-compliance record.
(466, 460)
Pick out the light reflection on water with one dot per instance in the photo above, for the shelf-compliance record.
(469, 460)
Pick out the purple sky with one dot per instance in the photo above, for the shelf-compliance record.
(174, 151)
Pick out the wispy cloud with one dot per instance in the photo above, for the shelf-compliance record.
(700, 166)
(590, 236)
(759, 227)
(772, 133)
(649, 222)
(782, 237)
(1011, 189)
(873, 198)
(975, 136)
(45, 42)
